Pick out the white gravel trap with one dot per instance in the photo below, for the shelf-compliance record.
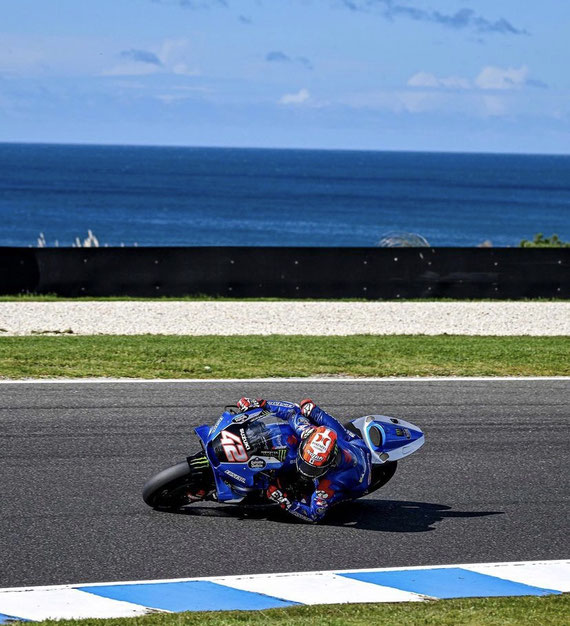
(286, 318)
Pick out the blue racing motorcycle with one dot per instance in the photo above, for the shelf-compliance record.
(243, 453)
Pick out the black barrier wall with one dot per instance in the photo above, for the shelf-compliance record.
(371, 273)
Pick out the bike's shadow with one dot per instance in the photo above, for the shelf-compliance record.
(396, 516)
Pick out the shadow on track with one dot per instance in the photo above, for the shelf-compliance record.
(395, 516)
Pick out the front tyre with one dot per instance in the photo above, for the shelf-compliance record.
(175, 487)
(381, 474)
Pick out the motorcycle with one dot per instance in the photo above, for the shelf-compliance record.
(244, 452)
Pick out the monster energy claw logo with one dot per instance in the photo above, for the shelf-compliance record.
(276, 453)
(199, 462)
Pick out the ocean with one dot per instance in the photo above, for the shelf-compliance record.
(166, 196)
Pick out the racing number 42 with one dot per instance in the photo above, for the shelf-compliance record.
(233, 447)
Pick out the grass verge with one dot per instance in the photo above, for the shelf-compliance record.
(163, 356)
(550, 610)
(49, 297)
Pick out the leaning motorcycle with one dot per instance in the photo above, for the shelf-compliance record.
(240, 458)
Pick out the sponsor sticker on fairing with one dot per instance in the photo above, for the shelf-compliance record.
(287, 405)
(235, 476)
(279, 453)
(244, 418)
(244, 438)
(256, 463)
(215, 426)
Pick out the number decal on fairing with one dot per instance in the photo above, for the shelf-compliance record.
(233, 447)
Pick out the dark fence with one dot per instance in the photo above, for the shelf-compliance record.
(370, 273)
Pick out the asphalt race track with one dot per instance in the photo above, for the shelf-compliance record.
(491, 483)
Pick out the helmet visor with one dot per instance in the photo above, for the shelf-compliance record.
(311, 471)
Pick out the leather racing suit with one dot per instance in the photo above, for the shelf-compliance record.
(348, 480)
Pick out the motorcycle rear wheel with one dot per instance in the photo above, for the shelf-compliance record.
(173, 487)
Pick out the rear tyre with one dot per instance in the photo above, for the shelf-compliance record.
(176, 487)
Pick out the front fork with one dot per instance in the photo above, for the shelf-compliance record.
(204, 487)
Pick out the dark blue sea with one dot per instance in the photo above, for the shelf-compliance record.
(211, 196)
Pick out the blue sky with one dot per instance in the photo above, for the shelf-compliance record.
(478, 75)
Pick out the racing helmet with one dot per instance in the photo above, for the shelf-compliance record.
(318, 453)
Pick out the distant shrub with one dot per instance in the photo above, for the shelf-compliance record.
(91, 241)
(402, 240)
(540, 241)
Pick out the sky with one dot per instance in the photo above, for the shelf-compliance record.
(443, 75)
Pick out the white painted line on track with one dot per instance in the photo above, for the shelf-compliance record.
(331, 379)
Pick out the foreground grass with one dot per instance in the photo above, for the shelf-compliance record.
(551, 610)
(50, 297)
(162, 356)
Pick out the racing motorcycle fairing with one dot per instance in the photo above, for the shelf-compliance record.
(388, 438)
(244, 449)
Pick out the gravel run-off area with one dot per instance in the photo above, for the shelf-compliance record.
(289, 318)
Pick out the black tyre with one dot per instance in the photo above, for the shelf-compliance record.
(381, 474)
(173, 487)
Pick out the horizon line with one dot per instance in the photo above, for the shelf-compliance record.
(277, 148)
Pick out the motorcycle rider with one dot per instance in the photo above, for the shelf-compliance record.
(337, 461)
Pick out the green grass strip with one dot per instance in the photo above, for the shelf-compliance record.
(50, 297)
(162, 356)
(548, 610)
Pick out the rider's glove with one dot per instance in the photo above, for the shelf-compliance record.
(307, 431)
(306, 406)
(243, 404)
(276, 495)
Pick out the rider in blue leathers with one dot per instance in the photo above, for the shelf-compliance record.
(338, 462)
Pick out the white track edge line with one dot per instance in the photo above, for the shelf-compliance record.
(276, 574)
(336, 381)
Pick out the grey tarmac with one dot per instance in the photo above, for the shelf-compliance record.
(491, 483)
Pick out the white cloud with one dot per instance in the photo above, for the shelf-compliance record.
(173, 51)
(170, 98)
(180, 93)
(418, 102)
(183, 70)
(494, 106)
(295, 98)
(489, 78)
(425, 79)
(171, 58)
(396, 101)
(132, 69)
(492, 77)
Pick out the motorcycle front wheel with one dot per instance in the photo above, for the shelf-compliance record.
(381, 474)
(176, 487)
